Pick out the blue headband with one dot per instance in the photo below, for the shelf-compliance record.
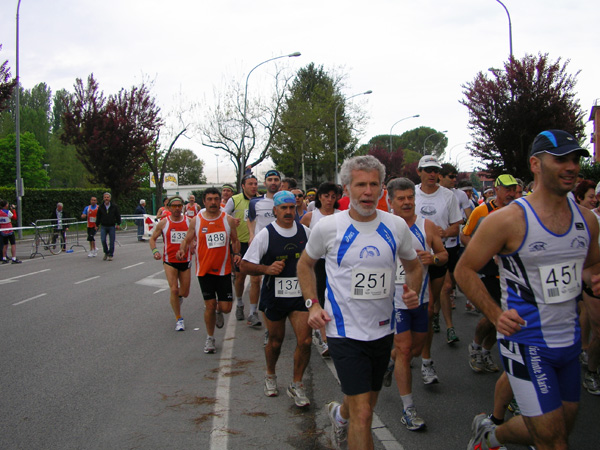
(284, 197)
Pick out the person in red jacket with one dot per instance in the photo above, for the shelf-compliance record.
(6, 233)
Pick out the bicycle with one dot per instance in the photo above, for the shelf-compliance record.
(43, 239)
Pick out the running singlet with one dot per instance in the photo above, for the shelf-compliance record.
(287, 249)
(237, 207)
(191, 209)
(212, 248)
(5, 221)
(542, 280)
(91, 216)
(419, 242)
(360, 260)
(173, 235)
(261, 211)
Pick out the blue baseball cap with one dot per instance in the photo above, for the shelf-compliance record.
(282, 197)
(272, 173)
(557, 143)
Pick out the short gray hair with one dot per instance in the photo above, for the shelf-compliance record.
(59, 204)
(107, 193)
(366, 163)
(399, 184)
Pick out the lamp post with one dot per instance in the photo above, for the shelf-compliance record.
(335, 128)
(242, 146)
(509, 28)
(450, 150)
(18, 181)
(409, 117)
(433, 134)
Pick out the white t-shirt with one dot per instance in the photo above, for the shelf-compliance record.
(463, 201)
(360, 261)
(441, 208)
(260, 243)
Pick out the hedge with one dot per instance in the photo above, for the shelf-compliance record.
(39, 203)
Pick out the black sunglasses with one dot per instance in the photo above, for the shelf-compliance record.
(299, 195)
(452, 177)
(431, 169)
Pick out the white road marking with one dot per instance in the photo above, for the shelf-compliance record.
(13, 279)
(133, 265)
(159, 291)
(29, 299)
(219, 435)
(87, 279)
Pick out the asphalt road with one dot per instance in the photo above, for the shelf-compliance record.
(90, 360)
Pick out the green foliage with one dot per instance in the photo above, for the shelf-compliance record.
(189, 168)
(590, 170)
(6, 84)
(39, 203)
(512, 106)
(32, 156)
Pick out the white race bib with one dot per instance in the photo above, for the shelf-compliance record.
(371, 284)
(400, 273)
(177, 237)
(214, 240)
(561, 282)
(245, 215)
(92, 219)
(287, 287)
(191, 212)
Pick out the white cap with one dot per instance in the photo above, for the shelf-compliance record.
(429, 161)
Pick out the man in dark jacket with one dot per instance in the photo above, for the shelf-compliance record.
(140, 210)
(108, 219)
(59, 228)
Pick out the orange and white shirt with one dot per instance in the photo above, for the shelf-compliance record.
(173, 235)
(191, 209)
(91, 216)
(212, 247)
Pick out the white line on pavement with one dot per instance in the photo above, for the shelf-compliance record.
(159, 291)
(28, 299)
(12, 279)
(87, 279)
(133, 265)
(220, 434)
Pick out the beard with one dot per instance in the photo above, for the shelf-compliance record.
(365, 212)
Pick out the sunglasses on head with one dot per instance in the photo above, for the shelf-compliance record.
(431, 169)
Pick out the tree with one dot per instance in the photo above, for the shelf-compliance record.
(424, 141)
(111, 135)
(308, 129)
(508, 109)
(189, 168)
(6, 84)
(223, 127)
(32, 155)
(393, 162)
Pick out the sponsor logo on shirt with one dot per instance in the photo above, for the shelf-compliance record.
(579, 242)
(428, 210)
(537, 246)
(369, 251)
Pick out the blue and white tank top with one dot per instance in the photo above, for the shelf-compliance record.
(419, 241)
(542, 280)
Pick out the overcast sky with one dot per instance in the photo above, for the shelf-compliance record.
(414, 55)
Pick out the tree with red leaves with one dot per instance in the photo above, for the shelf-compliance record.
(393, 162)
(6, 84)
(111, 135)
(510, 108)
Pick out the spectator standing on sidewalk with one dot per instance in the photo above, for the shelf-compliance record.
(109, 219)
(141, 209)
(8, 237)
(59, 227)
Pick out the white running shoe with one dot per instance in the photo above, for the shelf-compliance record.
(339, 432)
(429, 374)
(91, 255)
(219, 319)
(296, 391)
(179, 326)
(209, 345)
(271, 386)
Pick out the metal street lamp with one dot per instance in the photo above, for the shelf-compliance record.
(509, 27)
(242, 146)
(409, 117)
(19, 181)
(433, 134)
(335, 128)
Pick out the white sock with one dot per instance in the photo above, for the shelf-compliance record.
(253, 308)
(476, 346)
(240, 301)
(339, 417)
(407, 400)
(426, 362)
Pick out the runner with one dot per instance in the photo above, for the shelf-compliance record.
(439, 205)
(274, 253)
(213, 231)
(260, 214)
(7, 215)
(360, 246)
(237, 207)
(89, 213)
(411, 319)
(544, 241)
(192, 208)
(227, 192)
(176, 264)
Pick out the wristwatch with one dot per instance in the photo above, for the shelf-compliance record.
(436, 260)
(311, 301)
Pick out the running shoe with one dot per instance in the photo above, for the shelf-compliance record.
(591, 382)
(469, 307)
(253, 320)
(239, 312)
(110, 258)
(296, 391)
(209, 345)
(15, 261)
(179, 326)
(219, 319)
(451, 336)
(325, 350)
(339, 432)
(583, 359)
(389, 374)
(266, 338)
(317, 339)
(5, 261)
(436, 322)
(271, 386)
(488, 362)
(411, 419)
(95, 253)
(479, 428)
(428, 373)
(476, 359)
(90, 254)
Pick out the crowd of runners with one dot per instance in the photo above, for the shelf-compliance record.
(362, 270)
